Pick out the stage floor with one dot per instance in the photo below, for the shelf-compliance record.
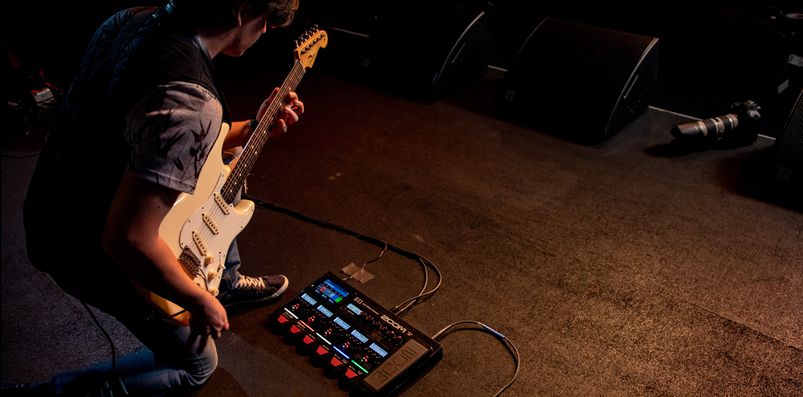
(618, 269)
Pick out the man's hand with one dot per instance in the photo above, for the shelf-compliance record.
(209, 318)
(288, 115)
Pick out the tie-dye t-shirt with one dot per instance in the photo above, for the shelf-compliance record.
(170, 132)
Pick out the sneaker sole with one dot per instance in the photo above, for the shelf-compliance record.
(281, 289)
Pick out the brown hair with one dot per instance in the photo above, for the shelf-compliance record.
(223, 13)
(280, 12)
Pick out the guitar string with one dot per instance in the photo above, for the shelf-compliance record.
(262, 132)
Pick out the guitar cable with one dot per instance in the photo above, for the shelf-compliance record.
(509, 346)
(399, 309)
(405, 305)
(381, 253)
(105, 335)
(113, 385)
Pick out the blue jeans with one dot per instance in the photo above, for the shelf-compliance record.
(168, 363)
(169, 360)
(232, 272)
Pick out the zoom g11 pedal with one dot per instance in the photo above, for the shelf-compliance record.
(367, 348)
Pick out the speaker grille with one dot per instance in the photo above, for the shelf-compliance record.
(789, 145)
(580, 81)
(446, 47)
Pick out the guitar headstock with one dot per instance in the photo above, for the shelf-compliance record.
(308, 44)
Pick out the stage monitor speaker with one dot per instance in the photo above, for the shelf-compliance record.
(424, 52)
(580, 81)
(788, 151)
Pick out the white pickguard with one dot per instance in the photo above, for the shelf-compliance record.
(201, 226)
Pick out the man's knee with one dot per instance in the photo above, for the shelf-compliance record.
(203, 365)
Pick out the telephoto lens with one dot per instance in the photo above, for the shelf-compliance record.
(739, 127)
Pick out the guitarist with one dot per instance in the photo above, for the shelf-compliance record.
(146, 96)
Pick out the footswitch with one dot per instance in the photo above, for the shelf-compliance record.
(367, 348)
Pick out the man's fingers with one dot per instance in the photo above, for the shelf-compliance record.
(282, 125)
(298, 106)
(290, 115)
(273, 94)
(291, 112)
(292, 100)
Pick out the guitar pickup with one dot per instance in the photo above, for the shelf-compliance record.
(196, 238)
(210, 224)
(221, 203)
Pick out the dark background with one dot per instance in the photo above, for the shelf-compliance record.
(711, 53)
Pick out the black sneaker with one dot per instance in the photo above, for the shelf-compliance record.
(254, 289)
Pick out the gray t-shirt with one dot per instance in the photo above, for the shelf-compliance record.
(171, 131)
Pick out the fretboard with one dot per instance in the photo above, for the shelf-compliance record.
(259, 137)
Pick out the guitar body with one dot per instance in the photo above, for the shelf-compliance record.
(201, 226)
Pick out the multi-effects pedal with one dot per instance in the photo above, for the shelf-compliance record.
(367, 348)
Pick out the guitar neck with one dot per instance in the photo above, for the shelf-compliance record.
(260, 135)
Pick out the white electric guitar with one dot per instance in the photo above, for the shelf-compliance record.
(201, 226)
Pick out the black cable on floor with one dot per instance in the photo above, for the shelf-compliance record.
(402, 307)
(105, 335)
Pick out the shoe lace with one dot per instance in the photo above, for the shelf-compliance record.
(250, 283)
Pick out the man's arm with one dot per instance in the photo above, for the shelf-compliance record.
(131, 238)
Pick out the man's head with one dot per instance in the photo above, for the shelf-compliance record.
(243, 20)
(222, 14)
